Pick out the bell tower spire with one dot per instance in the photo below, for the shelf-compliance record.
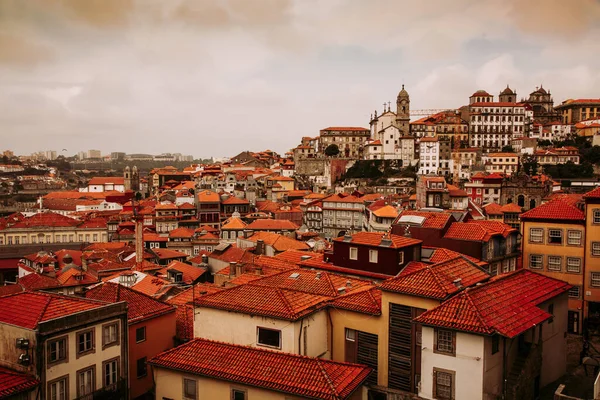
(403, 111)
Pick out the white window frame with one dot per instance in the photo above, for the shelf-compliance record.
(554, 263)
(575, 292)
(596, 216)
(572, 266)
(538, 236)
(550, 231)
(595, 249)
(353, 253)
(373, 256)
(572, 234)
(541, 258)
(595, 279)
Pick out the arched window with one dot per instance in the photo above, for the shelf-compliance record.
(521, 200)
(531, 204)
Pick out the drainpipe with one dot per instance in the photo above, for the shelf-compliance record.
(330, 334)
(300, 336)
(503, 367)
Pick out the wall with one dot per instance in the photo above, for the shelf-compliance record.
(159, 337)
(388, 259)
(591, 263)
(75, 364)
(169, 385)
(492, 368)
(238, 328)
(9, 354)
(468, 365)
(554, 349)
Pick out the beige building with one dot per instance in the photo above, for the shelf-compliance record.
(576, 110)
(73, 346)
(349, 140)
(505, 163)
(204, 369)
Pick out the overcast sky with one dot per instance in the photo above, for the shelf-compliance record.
(215, 77)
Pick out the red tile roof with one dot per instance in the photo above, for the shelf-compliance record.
(477, 231)
(272, 225)
(235, 201)
(233, 223)
(106, 180)
(555, 210)
(437, 281)
(46, 219)
(507, 305)
(492, 209)
(296, 375)
(35, 281)
(233, 254)
(511, 208)
(28, 309)
(344, 128)
(181, 233)
(140, 307)
(593, 194)
(377, 238)
(435, 220)
(165, 254)
(365, 300)
(13, 383)
(278, 242)
(189, 272)
(10, 289)
(266, 301)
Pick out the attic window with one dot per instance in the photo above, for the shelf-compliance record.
(295, 275)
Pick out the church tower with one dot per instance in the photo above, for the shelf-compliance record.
(127, 178)
(403, 112)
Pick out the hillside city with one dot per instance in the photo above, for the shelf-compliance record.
(428, 254)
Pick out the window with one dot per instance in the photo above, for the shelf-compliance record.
(536, 235)
(86, 381)
(554, 263)
(238, 394)
(595, 282)
(554, 236)
(597, 216)
(190, 390)
(443, 384)
(58, 389)
(444, 342)
(362, 348)
(140, 334)
(401, 258)
(574, 265)
(535, 261)
(353, 253)
(110, 334)
(495, 344)
(596, 248)
(574, 292)
(268, 337)
(110, 372)
(574, 238)
(372, 256)
(85, 341)
(141, 367)
(57, 350)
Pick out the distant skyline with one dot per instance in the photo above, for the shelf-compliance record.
(216, 77)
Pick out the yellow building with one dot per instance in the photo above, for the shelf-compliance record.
(591, 287)
(205, 369)
(554, 243)
(74, 346)
(575, 110)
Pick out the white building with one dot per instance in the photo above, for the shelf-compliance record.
(429, 156)
(473, 348)
(105, 184)
(506, 163)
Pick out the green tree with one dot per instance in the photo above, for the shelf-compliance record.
(332, 150)
(508, 149)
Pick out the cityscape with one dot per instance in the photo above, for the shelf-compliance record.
(397, 250)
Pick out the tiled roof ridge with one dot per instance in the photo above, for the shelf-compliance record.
(466, 294)
(285, 302)
(325, 375)
(41, 314)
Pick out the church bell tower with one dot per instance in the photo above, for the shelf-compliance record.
(403, 112)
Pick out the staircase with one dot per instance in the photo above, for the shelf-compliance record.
(526, 367)
(512, 380)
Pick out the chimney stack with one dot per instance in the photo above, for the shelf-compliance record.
(260, 247)
(348, 284)
(239, 269)
(318, 276)
(258, 270)
(232, 269)
(204, 259)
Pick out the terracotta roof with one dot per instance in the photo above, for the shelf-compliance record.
(266, 301)
(189, 272)
(140, 307)
(296, 375)
(105, 180)
(593, 194)
(492, 209)
(507, 305)
(313, 282)
(555, 210)
(435, 220)
(233, 223)
(46, 219)
(165, 254)
(10, 289)
(195, 292)
(13, 383)
(478, 231)
(386, 212)
(344, 128)
(144, 283)
(278, 242)
(232, 254)
(511, 208)
(377, 238)
(496, 104)
(365, 300)
(181, 233)
(481, 93)
(437, 281)
(35, 281)
(235, 201)
(28, 309)
(441, 254)
(76, 277)
(336, 198)
(272, 224)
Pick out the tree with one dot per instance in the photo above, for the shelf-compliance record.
(332, 150)
(508, 149)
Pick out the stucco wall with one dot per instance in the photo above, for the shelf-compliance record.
(9, 354)
(467, 364)
(238, 328)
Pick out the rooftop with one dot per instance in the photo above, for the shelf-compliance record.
(555, 210)
(288, 373)
(378, 239)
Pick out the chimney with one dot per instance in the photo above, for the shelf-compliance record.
(204, 259)
(258, 270)
(341, 290)
(232, 269)
(348, 284)
(260, 247)
(239, 269)
(457, 283)
(318, 276)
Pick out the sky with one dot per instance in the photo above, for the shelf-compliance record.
(216, 77)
